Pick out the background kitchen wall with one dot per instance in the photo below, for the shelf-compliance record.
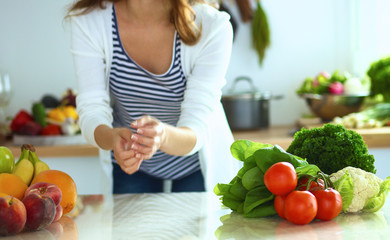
(306, 37)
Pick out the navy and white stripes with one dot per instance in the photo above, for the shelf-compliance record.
(136, 92)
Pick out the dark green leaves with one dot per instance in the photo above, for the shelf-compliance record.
(332, 148)
(246, 192)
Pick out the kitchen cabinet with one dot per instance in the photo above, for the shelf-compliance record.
(175, 216)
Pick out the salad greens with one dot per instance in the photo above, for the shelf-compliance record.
(246, 193)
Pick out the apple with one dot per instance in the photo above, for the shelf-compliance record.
(45, 189)
(41, 211)
(12, 215)
(7, 160)
(59, 213)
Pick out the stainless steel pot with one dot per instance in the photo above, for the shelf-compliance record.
(247, 110)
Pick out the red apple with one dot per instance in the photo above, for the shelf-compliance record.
(46, 189)
(59, 213)
(41, 211)
(12, 215)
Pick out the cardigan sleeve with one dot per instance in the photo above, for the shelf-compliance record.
(208, 65)
(93, 102)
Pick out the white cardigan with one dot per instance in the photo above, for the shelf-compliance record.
(203, 64)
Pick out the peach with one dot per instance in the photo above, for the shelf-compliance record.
(46, 189)
(12, 215)
(41, 211)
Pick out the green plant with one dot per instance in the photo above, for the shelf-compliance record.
(260, 32)
(379, 73)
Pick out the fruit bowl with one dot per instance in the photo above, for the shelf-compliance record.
(329, 106)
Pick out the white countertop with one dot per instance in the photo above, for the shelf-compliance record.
(190, 216)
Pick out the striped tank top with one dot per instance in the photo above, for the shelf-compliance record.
(136, 92)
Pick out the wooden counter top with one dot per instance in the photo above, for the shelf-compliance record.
(59, 151)
(281, 135)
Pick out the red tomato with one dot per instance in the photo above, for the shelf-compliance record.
(329, 203)
(300, 207)
(279, 205)
(51, 130)
(314, 186)
(281, 178)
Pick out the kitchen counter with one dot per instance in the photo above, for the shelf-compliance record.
(197, 216)
(281, 135)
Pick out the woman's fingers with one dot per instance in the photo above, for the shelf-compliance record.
(144, 140)
(131, 166)
(143, 121)
(149, 136)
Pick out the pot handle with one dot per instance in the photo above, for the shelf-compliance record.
(243, 78)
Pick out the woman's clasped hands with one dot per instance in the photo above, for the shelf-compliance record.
(130, 149)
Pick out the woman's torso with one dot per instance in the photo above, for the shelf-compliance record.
(136, 91)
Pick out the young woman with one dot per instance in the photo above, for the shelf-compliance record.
(150, 74)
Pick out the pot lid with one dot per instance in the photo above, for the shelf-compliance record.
(252, 93)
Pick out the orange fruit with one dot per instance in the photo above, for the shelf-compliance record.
(64, 182)
(3, 194)
(12, 185)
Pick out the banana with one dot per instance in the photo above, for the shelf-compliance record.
(39, 166)
(25, 170)
(24, 153)
(28, 154)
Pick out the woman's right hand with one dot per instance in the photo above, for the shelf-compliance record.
(127, 158)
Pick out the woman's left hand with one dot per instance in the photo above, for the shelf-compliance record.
(150, 136)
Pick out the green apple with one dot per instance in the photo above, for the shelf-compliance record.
(7, 160)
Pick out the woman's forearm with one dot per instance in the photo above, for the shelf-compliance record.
(178, 140)
(103, 137)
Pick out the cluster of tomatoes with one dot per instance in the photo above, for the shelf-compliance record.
(304, 199)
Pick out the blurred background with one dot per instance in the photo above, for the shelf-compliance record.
(307, 37)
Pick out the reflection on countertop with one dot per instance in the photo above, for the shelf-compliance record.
(190, 216)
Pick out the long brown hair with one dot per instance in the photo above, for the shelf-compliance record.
(182, 16)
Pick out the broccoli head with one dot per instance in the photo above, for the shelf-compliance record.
(332, 147)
